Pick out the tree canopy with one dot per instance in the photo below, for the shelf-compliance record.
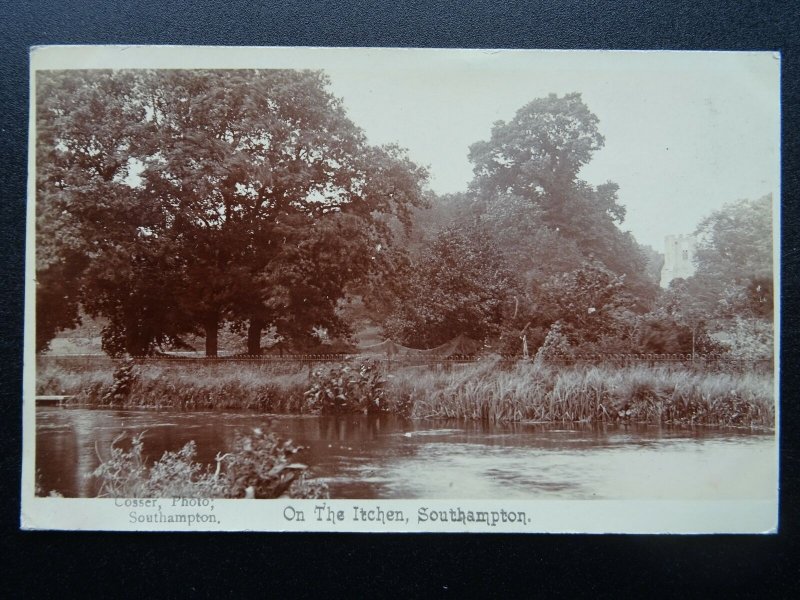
(734, 257)
(199, 196)
(172, 202)
(555, 238)
(461, 285)
(526, 176)
(733, 260)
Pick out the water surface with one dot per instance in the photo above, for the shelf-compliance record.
(387, 457)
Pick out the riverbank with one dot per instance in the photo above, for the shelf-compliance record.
(483, 390)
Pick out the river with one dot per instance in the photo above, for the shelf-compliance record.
(388, 457)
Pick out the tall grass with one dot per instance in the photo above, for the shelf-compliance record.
(263, 387)
(484, 390)
(530, 392)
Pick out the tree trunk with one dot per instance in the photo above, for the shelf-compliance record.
(136, 346)
(212, 329)
(136, 343)
(254, 330)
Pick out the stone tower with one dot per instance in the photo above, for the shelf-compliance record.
(678, 258)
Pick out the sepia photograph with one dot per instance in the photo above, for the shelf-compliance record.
(402, 290)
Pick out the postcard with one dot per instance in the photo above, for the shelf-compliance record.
(402, 290)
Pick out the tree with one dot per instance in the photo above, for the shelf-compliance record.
(678, 323)
(589, 302)
(224, 180)
(461, 286)
(89, 125)
(735, 242)
(654, 264)
(259, 160)
(734, 260)
(531, 165)
(539, 153)
(732, 286)
(532, 249)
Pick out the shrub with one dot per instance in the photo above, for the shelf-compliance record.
(347, 389)
(262, 466)
(556, 345)
(751, 339)
(125, 376)
(258, 466)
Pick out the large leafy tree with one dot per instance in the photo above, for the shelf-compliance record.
(530, 167)
(539, 153)
(461, 285)
(233, 182)
(91, 223)
(734, 260)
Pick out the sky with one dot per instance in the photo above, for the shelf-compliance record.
(685, 132)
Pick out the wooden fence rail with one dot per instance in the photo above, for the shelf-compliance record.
(716, 361)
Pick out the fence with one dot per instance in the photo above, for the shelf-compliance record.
(702, 361)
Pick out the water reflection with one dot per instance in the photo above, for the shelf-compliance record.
(386, 457)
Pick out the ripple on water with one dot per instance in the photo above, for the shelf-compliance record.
(53, 427)
(430, 432)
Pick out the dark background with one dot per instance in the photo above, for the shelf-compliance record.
(281, 565)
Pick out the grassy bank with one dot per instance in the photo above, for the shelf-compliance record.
(638, 394)
(524, 392)
(264, 387)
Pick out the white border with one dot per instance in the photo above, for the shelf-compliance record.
(592, 516)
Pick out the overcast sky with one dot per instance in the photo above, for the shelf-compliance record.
(685, 132)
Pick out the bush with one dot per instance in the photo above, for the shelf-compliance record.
(751, 339)
(258, 466)
(556, 345)
(262, 466)
(347, 389)
(125, 376)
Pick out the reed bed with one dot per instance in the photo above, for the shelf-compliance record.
(486, 390)
(541, 393)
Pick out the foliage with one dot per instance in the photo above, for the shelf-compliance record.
(670, 330)
(125, 377)
(462, 285)
(735, 242)
(664, 336)
(181, 385)
(683, 391)
(645, 394)
(734, 260)
(589, 302)
(178, 199)
(527, 174)
(731, 292)
(347, 389)
(654, 263)
(753, 300)
(751, 339)
(258, 466)
(548, 140)
(555, 346)
(262, 466)
(75, 153)
(510, 340)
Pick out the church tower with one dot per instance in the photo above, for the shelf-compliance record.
(678, 258)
